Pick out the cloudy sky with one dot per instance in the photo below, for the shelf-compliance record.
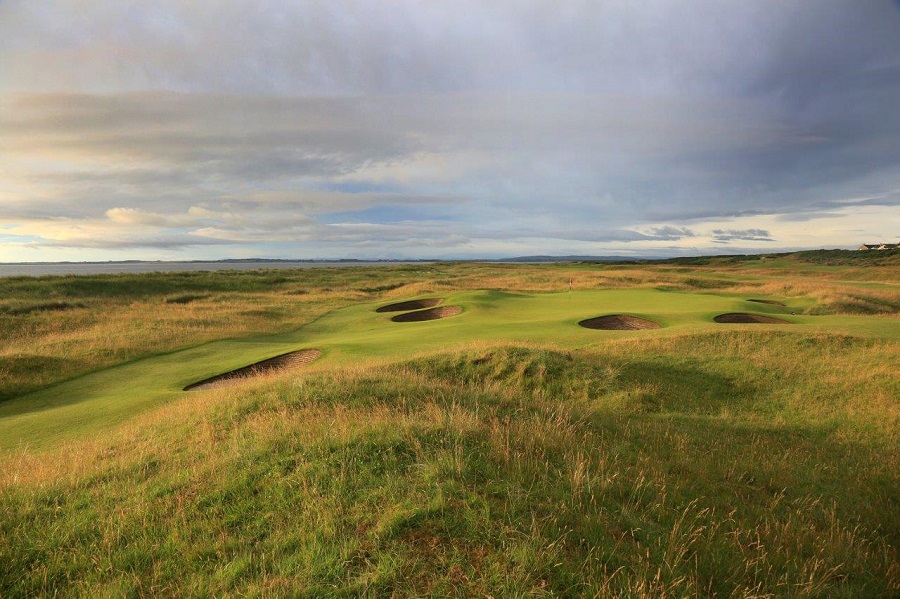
(185, 129)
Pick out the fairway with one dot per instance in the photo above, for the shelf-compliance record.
(363, 333)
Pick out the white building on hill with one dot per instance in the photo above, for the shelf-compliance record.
(879, 246)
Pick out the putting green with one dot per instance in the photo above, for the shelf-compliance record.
(346, 336)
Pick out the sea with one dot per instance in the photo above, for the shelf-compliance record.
(38, 269)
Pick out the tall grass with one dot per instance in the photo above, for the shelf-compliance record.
(731, 463)
(495, 470)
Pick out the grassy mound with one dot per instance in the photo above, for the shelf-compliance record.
(501, 470)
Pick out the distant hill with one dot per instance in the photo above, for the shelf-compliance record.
(851, 257)
(824, 257)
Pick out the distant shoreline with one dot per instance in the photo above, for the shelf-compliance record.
(38, 269)
(223, 261)
(14, 269)
(822, 256)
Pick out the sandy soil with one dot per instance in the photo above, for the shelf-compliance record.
(619, 322)
(762, 301)
(743, 318)
(411, 305)
(289, 360)
(432, 314)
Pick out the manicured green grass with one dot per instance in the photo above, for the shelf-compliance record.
(504, 451)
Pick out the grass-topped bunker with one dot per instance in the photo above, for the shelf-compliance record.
(411, 305)
(289, 360)
(766, 301)
(619, 322)
(430, 314)
(746, 318)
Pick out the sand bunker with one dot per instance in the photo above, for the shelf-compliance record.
(762, 301)
(284, 361)
(619, 322)
(432, 314)
(743, 318)
(411, 305)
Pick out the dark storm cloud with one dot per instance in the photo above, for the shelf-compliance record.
(171, 150)
(578, 233)
(258, 135)
(838, 208)
(798, 50)
(568, 123)
(670, 233)
(166, 242)
(723, 236)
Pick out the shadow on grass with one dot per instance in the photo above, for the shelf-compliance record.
(23, 373)
(684, 389)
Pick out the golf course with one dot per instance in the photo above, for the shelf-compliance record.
(696, 427)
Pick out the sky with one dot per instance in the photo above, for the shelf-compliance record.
(194, 129)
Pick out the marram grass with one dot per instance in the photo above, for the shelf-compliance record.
(717, 461)
(504, 471)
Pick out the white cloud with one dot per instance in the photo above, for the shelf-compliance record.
(138, 217)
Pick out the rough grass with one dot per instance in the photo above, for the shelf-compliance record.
(98, 321)
(497, 470)
(730, 463)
